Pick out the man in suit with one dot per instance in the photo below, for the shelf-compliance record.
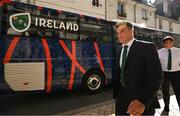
(138, 74)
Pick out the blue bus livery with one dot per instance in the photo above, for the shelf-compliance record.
(49, 50)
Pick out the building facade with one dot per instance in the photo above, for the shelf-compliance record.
(134, 11)
(167, 15)
(163, 14)
(167, 24)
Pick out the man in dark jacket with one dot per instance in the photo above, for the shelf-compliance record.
(138, 74)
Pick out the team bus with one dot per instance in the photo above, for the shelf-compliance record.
(48, 50)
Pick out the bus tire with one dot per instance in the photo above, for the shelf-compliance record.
(93, 82)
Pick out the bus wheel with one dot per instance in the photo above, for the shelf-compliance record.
(93, 81)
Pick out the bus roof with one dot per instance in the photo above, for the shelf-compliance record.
(143, 26)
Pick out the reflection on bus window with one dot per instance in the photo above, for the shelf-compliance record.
(93, 30)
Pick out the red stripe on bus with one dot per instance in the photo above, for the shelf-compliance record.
(39, 8)
(59, 11)
(10, 50)
(65, 48)
(99, 56)
(75, 63)
(49, 65)
(80, 67)
(71, 57)
(71, 81)
(1, 3)
(7, 1)
(73, 67)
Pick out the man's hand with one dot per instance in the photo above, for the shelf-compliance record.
(136, 108)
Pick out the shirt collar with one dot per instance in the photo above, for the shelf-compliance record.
(129, 43)
(170, 48)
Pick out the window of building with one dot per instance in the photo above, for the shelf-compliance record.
(165, 6)
(95, 3)
(160, 24)
(144, 14)
(170, 26)
(121, 10)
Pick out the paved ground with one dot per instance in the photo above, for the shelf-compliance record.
(107, 108)
(50, 104)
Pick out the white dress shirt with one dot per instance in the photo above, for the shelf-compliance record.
(163, 55)
(129, 46)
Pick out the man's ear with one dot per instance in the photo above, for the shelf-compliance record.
(132, 31)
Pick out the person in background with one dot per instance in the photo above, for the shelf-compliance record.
(170, 61)
(138, 74)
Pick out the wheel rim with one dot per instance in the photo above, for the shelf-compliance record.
(94, 82)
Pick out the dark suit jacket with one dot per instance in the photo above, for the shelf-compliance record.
(143, 73)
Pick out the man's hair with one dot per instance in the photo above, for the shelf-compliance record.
(128, 24)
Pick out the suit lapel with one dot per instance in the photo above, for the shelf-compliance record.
(131, 51)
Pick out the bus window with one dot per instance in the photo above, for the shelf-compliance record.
(45, 13)
(35, 12)
(54, 13)
(95, 30)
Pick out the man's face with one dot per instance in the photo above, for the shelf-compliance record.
(168, 44)
(124, 34)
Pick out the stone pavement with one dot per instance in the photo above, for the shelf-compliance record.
(108, 107)
(105, 108)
